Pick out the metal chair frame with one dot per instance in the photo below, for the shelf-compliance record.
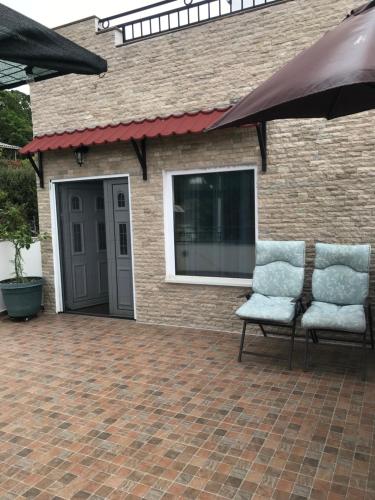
(299, 308)
(369, 329)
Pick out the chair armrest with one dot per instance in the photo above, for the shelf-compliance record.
(297, 299)
(309, 299)
(367, 303)
(298, 305)
(246, 295)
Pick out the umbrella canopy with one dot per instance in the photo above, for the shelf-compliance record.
(31, 52)
(335, 77)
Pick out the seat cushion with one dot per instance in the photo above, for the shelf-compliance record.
(321, 315)
(277, 309)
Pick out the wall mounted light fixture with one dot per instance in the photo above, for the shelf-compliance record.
(80, 154)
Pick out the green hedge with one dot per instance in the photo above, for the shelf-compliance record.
(17, 181)
(15, 118)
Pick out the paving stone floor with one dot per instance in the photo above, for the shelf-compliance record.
(104, 408)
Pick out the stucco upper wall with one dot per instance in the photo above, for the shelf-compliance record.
(197, 68)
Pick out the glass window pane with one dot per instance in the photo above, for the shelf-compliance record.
(121, 200)
(102, 241)
(214, 224)
(123, 239)
(77, 238)
(76, 203)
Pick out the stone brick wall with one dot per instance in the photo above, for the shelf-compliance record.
(157, 301)
(200, 67)
(321, 175)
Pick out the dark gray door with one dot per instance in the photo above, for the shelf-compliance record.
(84, 244)
(120, 272)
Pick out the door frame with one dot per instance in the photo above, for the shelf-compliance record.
(55, 233)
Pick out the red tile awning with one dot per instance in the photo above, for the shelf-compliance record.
(187, 123)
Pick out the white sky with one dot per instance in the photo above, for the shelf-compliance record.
(53, 13)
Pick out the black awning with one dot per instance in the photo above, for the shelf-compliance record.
(31, 52)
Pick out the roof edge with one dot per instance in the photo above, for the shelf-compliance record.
(70, 23)
(3, 145)
(182, 124)
(137, 122)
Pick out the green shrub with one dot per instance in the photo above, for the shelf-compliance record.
(18, 183)
(15, 118)
(14, 227)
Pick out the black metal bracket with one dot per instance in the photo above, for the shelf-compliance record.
(262, 138)
(140, 151)
(38, 168)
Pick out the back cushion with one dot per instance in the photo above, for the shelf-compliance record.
(279, 270)
(341, 274)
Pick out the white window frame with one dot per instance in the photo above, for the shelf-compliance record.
(170, 263)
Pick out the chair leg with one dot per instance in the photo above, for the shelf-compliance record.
(364, 350)
(291, 348)
(314, 336)
(263, 331)
(242, 341)
(307, 338)
(370, 325)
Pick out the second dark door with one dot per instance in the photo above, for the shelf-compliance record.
(120, 269)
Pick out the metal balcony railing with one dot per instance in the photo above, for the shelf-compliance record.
(171, 15)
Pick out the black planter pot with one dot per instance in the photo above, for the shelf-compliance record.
(22, 300)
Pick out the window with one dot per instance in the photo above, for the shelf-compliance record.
(102, 241)
(123, 239)
(77, 238)
(76, 204)
(211, 225)
(121, 200)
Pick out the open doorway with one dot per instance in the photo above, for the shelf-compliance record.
(95, 247)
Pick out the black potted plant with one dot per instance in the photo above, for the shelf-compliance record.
(22, 295)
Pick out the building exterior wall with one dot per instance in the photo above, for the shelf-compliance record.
(320, 180)
(157, 301)
(198, 68)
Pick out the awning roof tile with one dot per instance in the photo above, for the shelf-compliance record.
(158, 127)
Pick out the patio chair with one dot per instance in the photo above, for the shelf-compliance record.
(277, 289)
(340, 288)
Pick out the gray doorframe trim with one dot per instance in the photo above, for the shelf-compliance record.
(56, 254)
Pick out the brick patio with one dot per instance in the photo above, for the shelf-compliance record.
(105, 408)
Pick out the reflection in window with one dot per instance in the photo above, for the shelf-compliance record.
(121, 200)
(100, 203)
(76, 203)
(214, 224)
(77, 238)
(123, 239)
(102, 241)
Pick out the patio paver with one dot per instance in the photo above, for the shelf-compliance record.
(104, 408)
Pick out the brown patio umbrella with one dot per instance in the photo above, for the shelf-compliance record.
(335, 77)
